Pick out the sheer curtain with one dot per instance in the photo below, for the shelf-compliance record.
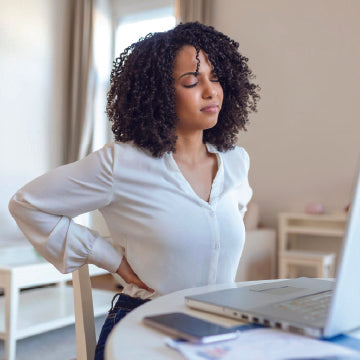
(194, 10)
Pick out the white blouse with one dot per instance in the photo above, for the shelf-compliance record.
(170, 236)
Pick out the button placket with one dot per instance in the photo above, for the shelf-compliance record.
(215, 246)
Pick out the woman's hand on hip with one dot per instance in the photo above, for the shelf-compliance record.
(127, 273)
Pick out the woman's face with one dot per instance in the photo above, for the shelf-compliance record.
(199, 95)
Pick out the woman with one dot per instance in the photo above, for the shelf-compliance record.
(172, 188)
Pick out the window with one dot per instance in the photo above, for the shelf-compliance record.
(132, 20)
(134, 26)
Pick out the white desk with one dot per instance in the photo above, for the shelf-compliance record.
(130, 339)
(37, 310)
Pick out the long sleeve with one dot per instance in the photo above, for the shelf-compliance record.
(44, 209)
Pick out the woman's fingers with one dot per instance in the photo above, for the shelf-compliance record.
(127, 273)
(136, 280)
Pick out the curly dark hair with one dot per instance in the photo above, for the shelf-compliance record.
(141, 99)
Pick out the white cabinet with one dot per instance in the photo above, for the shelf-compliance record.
(30, 312)
(307, 240)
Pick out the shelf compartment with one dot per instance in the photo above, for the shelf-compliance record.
(50, 308)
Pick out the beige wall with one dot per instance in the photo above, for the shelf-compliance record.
(304, 140)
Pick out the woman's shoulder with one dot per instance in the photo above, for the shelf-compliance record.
(235, 155)
(127, 154)
(116, 148)
(130, 151)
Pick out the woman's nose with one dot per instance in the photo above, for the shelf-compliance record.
(210, 90)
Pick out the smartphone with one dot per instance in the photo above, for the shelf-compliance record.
(190, 328)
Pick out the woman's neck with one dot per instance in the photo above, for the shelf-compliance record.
(190, 150)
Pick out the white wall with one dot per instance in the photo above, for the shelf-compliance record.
(31, 72)
(304, 140)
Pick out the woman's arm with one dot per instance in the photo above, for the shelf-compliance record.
(44, 209)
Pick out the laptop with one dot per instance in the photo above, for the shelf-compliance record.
(318, 308)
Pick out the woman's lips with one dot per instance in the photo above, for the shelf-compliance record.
(210, 109)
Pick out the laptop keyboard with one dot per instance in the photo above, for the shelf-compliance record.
(312, 306)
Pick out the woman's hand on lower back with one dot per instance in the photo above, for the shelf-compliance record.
(127, 273)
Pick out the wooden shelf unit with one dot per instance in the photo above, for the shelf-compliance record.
(307, 225)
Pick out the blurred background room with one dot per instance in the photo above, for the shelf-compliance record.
(55, 62)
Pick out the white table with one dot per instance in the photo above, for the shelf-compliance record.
(34, 311)
(130, 339)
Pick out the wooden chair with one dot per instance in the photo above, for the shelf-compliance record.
(84, 314)
(84, 300)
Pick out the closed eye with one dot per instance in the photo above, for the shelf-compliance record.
(214, 78)
(191, 86)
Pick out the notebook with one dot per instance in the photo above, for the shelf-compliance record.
(318, 308)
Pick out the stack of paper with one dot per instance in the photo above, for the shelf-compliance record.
(265, 343)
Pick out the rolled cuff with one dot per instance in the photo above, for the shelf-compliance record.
(105, 255)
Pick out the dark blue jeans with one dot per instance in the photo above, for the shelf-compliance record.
(123, 306)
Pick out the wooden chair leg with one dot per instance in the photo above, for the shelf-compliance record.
(84, 315)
